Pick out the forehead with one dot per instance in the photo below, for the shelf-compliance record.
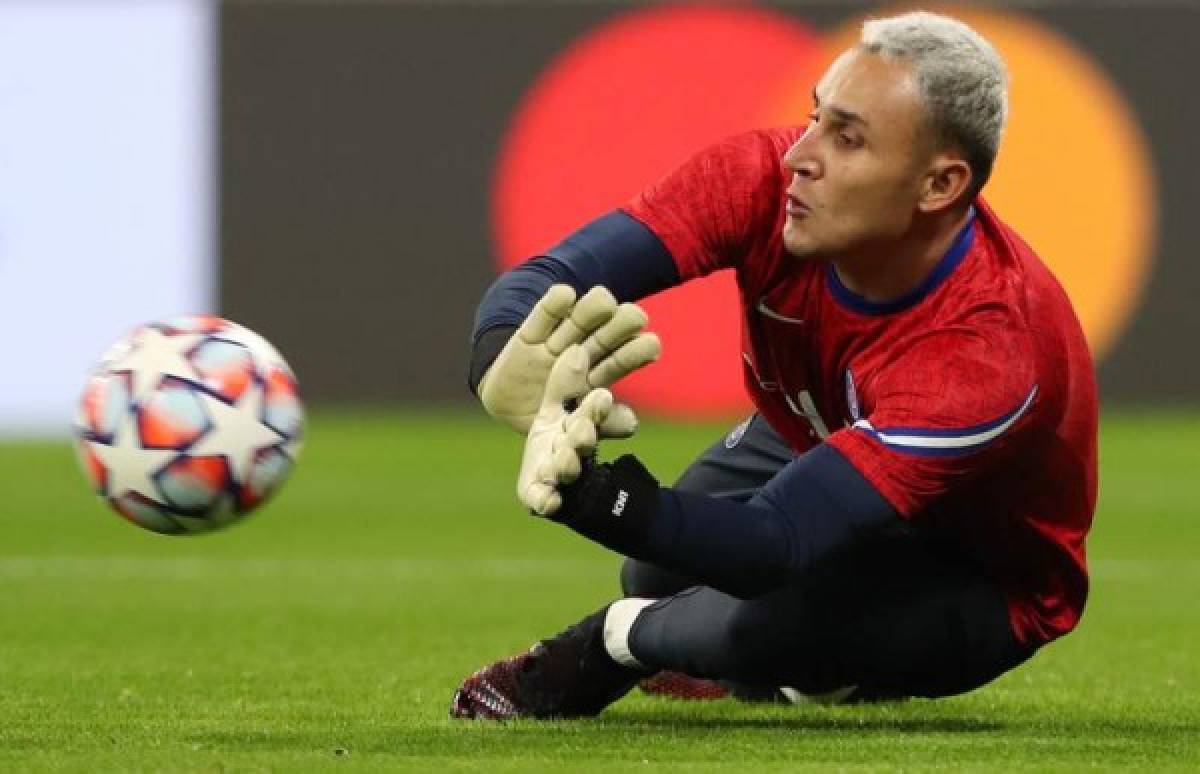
(883, 91)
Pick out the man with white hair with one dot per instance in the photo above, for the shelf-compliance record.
(905, 514)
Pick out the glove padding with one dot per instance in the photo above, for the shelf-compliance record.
(613, 343)
(560, 440)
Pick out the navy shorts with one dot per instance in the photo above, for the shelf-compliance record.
(892, 617)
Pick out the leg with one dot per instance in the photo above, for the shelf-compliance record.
(892, 619)
(735, 467)
(545, 681)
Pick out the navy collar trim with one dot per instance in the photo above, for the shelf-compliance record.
(949, 262)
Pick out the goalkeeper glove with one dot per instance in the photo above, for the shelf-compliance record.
(560, 440)
(612, 339)
(612, 504)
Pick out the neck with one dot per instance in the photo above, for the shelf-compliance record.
(886, 272)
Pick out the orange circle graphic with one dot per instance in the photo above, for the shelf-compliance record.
(1074, 176)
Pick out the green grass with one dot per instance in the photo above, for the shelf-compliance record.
(329, 631)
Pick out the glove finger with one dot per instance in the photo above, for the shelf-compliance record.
(567, 465)
(547, 471)
(621, 422)
(580, 435)
(595, 406)
(590, 312)
(547, 314)
(626, 322)
(567, 380)
(639, 351)
(541, 498)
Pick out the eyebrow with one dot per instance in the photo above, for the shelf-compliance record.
(846, 116)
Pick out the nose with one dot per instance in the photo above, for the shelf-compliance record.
(801, 158)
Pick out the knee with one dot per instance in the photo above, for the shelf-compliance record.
(745, 637)
(767, 649)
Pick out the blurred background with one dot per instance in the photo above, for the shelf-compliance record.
(347, 177)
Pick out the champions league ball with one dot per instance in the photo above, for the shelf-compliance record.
(188, 425)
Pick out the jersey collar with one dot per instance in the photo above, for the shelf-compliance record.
(953, 257)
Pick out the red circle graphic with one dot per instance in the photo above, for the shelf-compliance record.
(622, 106)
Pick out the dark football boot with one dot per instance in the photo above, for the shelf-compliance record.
(570, 675)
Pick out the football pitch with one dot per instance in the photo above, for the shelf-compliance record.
(329, 631)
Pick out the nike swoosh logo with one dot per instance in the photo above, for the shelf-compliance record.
(769, 312)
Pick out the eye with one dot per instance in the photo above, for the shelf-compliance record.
(847, 140)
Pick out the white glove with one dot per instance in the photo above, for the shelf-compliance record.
(559, 440)
(613, 342)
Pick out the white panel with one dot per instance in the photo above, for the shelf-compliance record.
(106, 186)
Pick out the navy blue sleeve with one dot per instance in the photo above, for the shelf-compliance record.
(615, 250)
(817, 505)
(619, 252)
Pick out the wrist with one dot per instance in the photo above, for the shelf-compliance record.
(613, 504)
(486, 349)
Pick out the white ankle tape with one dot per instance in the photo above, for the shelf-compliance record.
(617, 623)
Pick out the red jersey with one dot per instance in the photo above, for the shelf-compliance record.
(970, 404)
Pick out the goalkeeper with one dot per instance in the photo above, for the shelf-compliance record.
(905, 513)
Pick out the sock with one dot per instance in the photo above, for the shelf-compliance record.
(617, 625)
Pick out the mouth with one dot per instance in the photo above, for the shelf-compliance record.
(796, 208)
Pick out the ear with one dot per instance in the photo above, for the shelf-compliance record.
(947, 179)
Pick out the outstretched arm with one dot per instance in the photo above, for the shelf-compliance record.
(704, 215)
(816, 506)
(615, 251)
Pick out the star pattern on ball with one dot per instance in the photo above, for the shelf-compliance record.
(130, 467)
(205, 409)
(154, 356)
(236, 426)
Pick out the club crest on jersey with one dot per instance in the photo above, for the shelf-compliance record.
(852, 397)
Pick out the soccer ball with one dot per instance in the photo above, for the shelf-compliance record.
(189, 424)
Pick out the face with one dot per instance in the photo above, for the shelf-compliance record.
(859, 168)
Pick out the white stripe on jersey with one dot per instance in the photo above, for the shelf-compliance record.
(949, 439)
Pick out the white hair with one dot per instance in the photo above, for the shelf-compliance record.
(961, 78)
